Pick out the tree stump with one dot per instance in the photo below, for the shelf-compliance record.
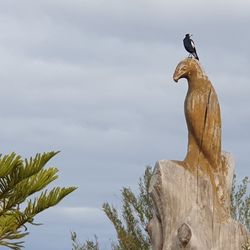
(192, 206)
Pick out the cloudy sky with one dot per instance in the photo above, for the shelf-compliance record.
(93, 79)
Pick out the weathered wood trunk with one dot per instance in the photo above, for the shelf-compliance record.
(192, 197)
(187, 215)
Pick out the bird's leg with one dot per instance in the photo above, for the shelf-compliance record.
(190, 55)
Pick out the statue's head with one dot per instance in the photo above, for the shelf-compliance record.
(186, 68)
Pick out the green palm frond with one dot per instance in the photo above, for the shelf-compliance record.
(28, 186)
(46, 200)
(19, 179)
(8, 163)
(12, 245)
(16, 170)
(34, 165)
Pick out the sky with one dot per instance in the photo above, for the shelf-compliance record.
(93, 79)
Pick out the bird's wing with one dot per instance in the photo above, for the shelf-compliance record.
(192, 43)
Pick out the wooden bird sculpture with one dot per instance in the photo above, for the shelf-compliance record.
(202, 112)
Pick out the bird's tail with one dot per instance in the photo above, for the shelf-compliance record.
(195, 55)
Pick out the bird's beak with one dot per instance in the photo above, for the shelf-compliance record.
(191, 35)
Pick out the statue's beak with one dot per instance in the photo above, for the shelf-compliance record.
(175, 78)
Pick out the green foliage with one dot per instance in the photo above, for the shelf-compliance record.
(135, 215)
(130, 225)
(240, 205)
(19, 179)
(89, 245)
(240, 202)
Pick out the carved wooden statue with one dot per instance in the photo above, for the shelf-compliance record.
(192, 197)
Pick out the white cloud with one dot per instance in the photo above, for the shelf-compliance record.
(84, 215)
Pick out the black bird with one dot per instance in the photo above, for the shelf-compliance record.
(189, 46)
